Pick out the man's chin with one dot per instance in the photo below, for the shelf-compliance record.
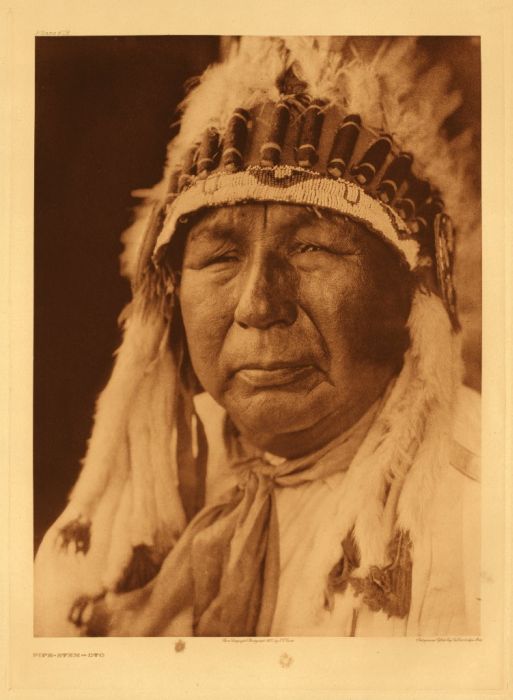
(277, 411)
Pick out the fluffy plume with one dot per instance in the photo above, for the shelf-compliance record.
(315, 62)
(247, 78)
(132, 237)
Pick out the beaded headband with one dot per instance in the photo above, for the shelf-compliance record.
(313, 141)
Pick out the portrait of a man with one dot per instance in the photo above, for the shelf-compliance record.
(286, 444)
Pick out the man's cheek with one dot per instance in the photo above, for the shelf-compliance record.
(205, 341)
(336, 311)
(334, 293)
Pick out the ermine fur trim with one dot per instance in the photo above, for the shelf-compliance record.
(418, 405)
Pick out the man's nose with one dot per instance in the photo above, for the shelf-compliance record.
(267, 296)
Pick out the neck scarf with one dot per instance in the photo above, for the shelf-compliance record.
(226, 565)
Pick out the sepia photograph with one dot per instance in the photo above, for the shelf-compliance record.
(257, 336)
(257, 288)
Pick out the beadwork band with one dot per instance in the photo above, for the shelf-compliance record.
(294, 186)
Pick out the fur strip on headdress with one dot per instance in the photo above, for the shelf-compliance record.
(418, 405)
(133, 440)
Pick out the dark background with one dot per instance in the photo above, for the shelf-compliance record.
(104, 109)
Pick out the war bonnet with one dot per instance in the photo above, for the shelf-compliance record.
(329, 123)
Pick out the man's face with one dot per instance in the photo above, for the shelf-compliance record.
(285, 315)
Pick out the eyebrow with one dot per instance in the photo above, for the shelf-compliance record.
(214, 231)
(344, 232)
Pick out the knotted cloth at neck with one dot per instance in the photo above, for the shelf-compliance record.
(226, 565)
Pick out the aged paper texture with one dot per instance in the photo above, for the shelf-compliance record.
(254, 667)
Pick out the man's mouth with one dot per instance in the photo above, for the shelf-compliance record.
(274, 374)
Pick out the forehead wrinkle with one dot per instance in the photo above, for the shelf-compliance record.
(218, 224)
(233, 222)
(332, 231)
(213, 231)
(336, 228)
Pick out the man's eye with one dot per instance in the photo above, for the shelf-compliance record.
(309, 248)
(224, 258)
